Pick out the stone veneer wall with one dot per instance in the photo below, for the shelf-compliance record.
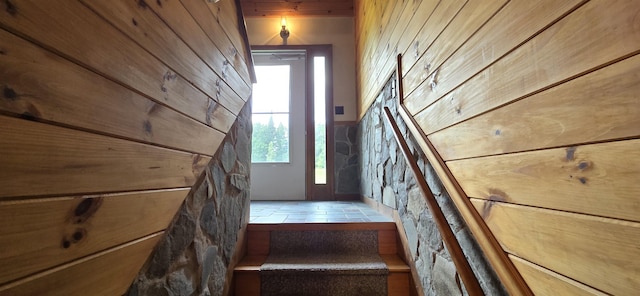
(346, 158)
(385, 177)
(195, 255)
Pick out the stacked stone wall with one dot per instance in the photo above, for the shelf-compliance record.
(199, 246)
(347, 158)
(386, 178)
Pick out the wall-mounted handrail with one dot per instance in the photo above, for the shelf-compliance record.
(504, 268)
(242, 26)
(450, 241)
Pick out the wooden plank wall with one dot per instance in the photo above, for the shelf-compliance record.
(535, 108)
(300, 8)
(110, 110)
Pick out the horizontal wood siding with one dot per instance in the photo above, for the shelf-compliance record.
(534, 107)
(67, 228)
(543, 117)
(613, 39)
(596, 179)
(499, 36)
(102, 106)
(592, 250)
(42, 159)
(103, 274)
(110, 112)
(545, 282)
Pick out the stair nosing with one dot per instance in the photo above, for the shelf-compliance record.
(392, 261)
(323, 226)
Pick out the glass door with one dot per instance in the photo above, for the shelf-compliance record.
(309, 128)
(278, 115)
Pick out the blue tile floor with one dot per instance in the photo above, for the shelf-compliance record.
(269, 212)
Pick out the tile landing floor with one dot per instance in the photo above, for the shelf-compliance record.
(270, 212)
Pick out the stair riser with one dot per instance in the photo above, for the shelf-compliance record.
(290, 276)
(249, 283)
(259, 238)
(321, 285)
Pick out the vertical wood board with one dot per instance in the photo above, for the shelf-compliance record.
(599, 251)
(43, 233)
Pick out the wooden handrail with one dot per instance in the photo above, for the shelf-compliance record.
(450, 241)
(242, 26)
(504, 268)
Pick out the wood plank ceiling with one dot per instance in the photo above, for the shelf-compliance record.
(276, 8)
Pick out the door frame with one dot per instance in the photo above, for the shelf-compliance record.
(315, 191)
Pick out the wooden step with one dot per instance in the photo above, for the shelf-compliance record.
(248, 276)
(259, 235)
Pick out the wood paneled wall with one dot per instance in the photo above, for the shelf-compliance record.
(109, 112)
(535, 108)
(279, 8)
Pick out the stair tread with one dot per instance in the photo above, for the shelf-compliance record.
(250, 263)
(327, 263)
(323, 226)
(395, 263)
(254, 263)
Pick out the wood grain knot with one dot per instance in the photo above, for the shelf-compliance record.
(486, 209)
(571, 151)
(497, 195)
(78, 235)
(169, 76)
(148, 129)
(11, 9)
(211, 109)
(85, 209)
(9, 93)
(584, 165)
(74, 238)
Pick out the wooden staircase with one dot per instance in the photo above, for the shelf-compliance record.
(317, 243)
